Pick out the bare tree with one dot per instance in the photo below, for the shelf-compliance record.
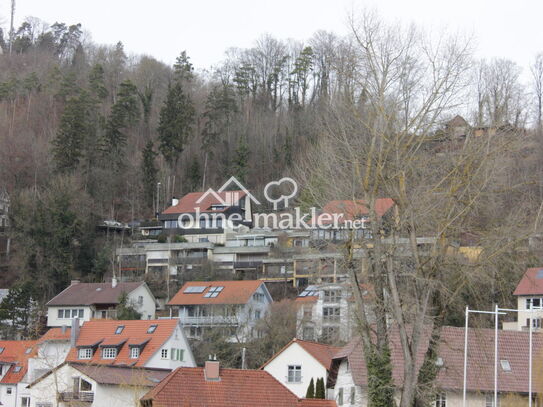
(537, 76)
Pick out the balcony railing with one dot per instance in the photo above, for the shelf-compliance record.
(105, 314)
(209, 320)
(83, 396)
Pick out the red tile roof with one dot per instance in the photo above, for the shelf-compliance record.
(320, 351)
(56, 334)
(100, 331)
(234, 292)
(531, 282)
(512, 346)
(93, 293)
(236, 388)
(16, 354)
(354, 209)
(188, 203)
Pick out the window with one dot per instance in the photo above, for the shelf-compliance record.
(25, 401)
(1, 350)
(8, 390)
(294, 374)
(213, 292)
(109, 353)
(332, 295)
(151, 329)
(140, 300)
(339, 397)
(195, 331)
(85, 353)
(17, 369)
(534, 303)
(506, 366)
(177, 354)
(536, 322)
(441, 400)
(119, 329)
(309, 333)
(353, 395)
(331, 313)
(330, 333)
(85, 385)
(257, 314)
(134, 353)
(70, 313)
(258, 297)
(28, 350)
(489, 400)
(164, 353)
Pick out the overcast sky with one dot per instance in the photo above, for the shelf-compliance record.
(162, 28)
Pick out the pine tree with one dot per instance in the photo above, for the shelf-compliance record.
(149, 172)
(175, 124)
(320, 392)
(240, 164)
(74, 127)
(97, 83)
(194, 175)
(183, 69)
(310, 394)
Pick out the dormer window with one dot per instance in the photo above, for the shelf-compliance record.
(134, 353)
(85, 353)
(109, 353)
(151, 329)
(119, 329)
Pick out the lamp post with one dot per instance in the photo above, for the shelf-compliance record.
(157, 198)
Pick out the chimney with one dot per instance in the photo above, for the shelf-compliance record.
(114, 282)
(211, 370)
(175, 201)
(74, 282)
(75, 332)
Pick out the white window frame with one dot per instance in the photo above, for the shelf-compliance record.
(294, 374)
(441, 400)
(164, 354)
(84, 353)
(134, 352)
(109, 353)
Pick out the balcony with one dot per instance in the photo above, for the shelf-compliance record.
(82, 396)
(248, 264)
(209, 320)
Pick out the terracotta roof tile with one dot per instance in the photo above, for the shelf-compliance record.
(354, 209)
(16, 353)
(531, 282)
(236, 388)
(122, 375)
(99, 331)
(56, 334)
(322, 352)
(234, 292)
(188, 203)
(93, 293)
(512, 346)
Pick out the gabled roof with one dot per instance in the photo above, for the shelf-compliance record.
(114, 375)
(354, 209)
(322, 352)
(236, 388)
(233, 292)
(16, 354)
(93, 293)
(512, 347)
(101, 331)
(531, 282)
(189, 204)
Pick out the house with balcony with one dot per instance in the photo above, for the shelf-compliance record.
(529, 294)
(208, 216)
(299, 362)
(155, 343)
(326, 313)
(233, 306)
(87, 301)
(77, 384)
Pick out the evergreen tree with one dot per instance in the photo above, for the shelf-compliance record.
(175, 124)
(125, 310)
(194, 175)
(97, 84)
(149, 172)
(240, 164)
(74, 127)
(320, 392)
(183, 69)
(310, 394)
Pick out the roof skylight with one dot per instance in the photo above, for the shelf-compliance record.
(506, 366)
(151, 329)
(213, 292)
(119, 329)
(194, 289)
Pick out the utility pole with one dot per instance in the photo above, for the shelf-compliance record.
(11, 27)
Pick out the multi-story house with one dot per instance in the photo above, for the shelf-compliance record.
(349, 376)
(51, 351)
(234, 306)
(14, 357)
(155, 343)
(326, 313)
(529, 293)
(208, 216)
(299, 362)
(213, 385)
(76, 384)
(87, 301)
